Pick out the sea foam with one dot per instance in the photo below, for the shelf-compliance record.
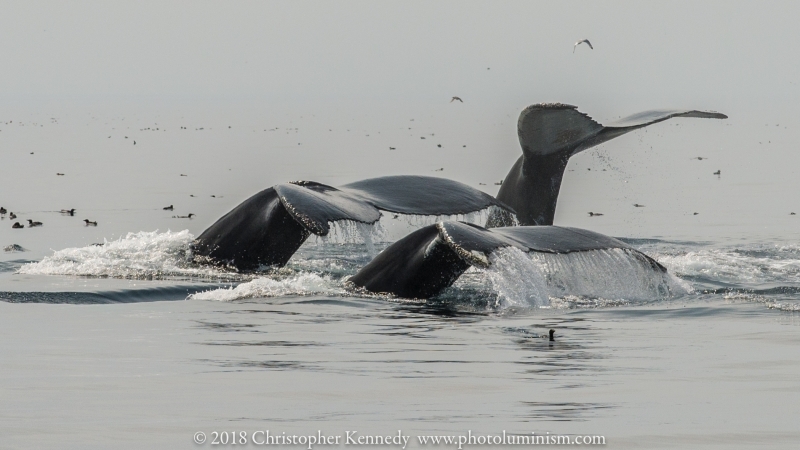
(752, 264)
(142, 255)
(302, 284)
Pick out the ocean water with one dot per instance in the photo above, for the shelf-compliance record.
(113, 338)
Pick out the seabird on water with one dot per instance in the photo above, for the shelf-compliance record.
(12, 216)
(168, 208)
(71, 212)
(89, 222)
(17, 225)
(183, 217)
(552, 335)
(2, 210)
(592, 214)
(581, 42)
(31, 223)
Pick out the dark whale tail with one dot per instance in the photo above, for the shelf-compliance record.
(269, 227)
(551, 133)
(432, 258)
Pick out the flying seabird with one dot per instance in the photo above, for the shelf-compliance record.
(581, 42)
(456, 98)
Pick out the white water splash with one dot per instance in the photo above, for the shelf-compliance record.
(784, 306)
(299, 285)
(416, 221)
(755, 264)
(518, 280)
(351, 232)
(141, 255)
(391, 227)
(579, 279)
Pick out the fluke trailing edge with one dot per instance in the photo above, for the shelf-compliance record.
(269, 227)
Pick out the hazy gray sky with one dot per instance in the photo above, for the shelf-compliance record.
(342, 80)
(719, 54)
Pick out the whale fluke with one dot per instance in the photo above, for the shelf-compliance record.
(269, 227)
(408, 194)
(551, 133)
(314, 205)
(432, 258)
(259, 231)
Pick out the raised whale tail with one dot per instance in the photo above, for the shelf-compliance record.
(550, 133)
(269, 227)
(432, 258)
